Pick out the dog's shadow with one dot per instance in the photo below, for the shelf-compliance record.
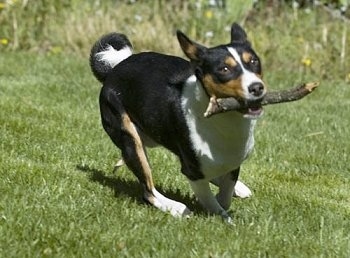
(132, 189)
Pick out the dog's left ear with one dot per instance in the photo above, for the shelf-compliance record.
(192, 50)
(238, 35)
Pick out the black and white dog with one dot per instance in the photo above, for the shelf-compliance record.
(150, 99)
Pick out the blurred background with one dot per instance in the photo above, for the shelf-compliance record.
(312, 34)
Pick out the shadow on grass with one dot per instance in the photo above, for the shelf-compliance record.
(119, 186)
(133, 189)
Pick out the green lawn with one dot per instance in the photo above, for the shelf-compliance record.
(59, 195)
(61, 198)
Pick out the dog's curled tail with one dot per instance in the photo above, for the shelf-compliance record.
(107, 52)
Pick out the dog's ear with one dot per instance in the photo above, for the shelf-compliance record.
(192, 50)
(238, 35)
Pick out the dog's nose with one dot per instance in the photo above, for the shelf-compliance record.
(256, 89)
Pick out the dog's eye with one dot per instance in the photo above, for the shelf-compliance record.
(224, 70)
(254, 61)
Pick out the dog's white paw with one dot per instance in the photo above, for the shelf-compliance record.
(176, 209)
(119, 163)
(241, 190)
(180, 211)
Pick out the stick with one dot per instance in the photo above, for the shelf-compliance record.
(273, 97)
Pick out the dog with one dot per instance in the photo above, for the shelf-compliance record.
(149, 99)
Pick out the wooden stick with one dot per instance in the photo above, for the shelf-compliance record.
(272, 97)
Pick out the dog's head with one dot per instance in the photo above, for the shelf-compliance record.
(232, 70)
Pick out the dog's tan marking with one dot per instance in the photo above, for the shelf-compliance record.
(232, 88)
(246, 57)
(146, 170)
(188, 47)
(191, 52)
(231, 62)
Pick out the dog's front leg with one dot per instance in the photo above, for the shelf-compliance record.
(226, 184)
(205, 196)
(230, 186)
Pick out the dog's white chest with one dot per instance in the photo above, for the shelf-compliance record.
(221, 142)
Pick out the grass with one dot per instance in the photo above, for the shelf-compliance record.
(61, 198)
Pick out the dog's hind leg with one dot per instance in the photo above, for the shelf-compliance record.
(146, 142)
(135, 158)
(124, 134)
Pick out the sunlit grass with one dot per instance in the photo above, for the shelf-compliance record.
(61, 198)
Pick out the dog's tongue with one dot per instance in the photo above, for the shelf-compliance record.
(255, 110)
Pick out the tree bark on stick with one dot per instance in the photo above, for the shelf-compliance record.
(272, 97)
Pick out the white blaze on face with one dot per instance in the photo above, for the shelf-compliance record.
(248, 77)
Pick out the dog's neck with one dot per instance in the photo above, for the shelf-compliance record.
(222, 141)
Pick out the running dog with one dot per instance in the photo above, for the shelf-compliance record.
(149, 99)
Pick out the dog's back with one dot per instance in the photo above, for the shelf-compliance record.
(148, 86)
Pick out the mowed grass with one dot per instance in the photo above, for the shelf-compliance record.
(61, 198)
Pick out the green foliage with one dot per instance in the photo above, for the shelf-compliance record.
(56, 26)
(302, 3)
(312, 39)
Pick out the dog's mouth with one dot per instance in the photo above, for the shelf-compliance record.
(252, 110)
